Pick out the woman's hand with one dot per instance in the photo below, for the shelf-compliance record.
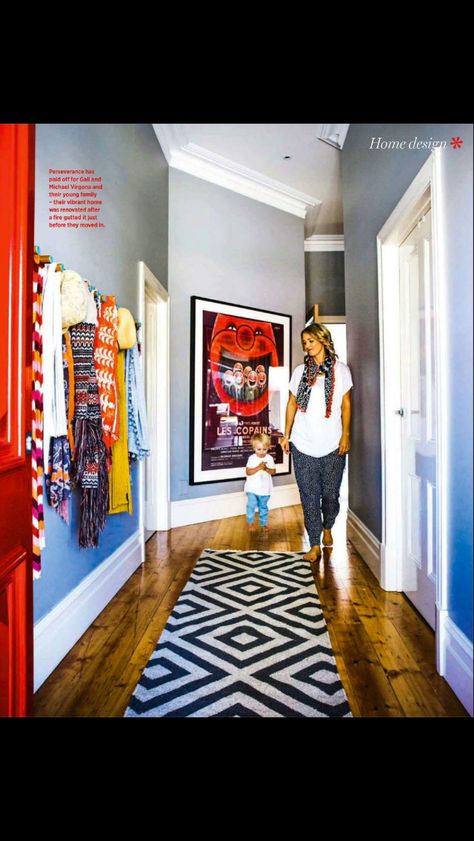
(344, 444)
(285, 444)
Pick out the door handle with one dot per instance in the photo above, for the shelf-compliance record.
(400, 412)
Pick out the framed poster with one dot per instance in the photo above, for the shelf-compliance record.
(240, 369)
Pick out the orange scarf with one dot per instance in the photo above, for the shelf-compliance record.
(105, 362)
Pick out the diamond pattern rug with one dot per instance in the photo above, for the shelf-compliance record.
(246, 638)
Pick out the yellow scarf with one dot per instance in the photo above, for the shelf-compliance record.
(119, 476)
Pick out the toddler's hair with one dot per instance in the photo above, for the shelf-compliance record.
(260, 437)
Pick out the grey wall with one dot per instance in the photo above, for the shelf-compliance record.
(230, 248)
(135, 214)
(373, 183)
(324, 273)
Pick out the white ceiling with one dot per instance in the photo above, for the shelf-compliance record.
(256, 151)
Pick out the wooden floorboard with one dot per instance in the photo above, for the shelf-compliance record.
(384, 650)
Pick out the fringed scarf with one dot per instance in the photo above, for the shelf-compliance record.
(119, 477)
(105, 361)
(138, 446)
(308, 379)
(90, 466)
(37, 459)
(58, 481)
(68, 368)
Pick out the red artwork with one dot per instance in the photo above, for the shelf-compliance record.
(241, 353)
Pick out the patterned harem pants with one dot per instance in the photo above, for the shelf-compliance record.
(319, 481)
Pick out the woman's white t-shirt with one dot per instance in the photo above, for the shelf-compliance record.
(313, 433)
(259, 483)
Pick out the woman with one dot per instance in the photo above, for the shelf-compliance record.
(318, 416)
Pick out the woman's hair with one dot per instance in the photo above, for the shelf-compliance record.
(322, 334)
(262, 438)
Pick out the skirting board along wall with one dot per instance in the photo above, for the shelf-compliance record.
(457, 651)
(365, 542)
(457, 657)
(61, 628)
(185, 512)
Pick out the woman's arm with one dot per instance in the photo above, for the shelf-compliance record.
(345, 440)
(291, 409)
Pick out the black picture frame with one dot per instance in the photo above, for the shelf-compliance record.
(229, 400)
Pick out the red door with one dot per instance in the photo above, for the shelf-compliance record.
(16, 266)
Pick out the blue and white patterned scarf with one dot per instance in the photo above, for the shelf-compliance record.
(138, 446)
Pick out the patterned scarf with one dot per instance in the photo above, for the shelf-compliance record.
(90, 466)
(58, 481)
(138, 446)
(308, 379)
(37, 460)
(105, 361)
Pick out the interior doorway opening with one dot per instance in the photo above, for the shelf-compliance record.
(154, 471)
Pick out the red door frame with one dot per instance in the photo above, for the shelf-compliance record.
(17, 157)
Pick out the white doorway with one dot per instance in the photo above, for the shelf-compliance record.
(418, 422)
(413, 399)
(155, 471)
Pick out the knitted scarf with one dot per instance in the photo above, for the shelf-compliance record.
(308, 379)
(58, 480)
(37, 460)
(138, 446)
(105, 361)
(90, 466)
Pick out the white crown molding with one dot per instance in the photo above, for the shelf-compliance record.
(324, 242)
(334, 134)
(170, 136)
(202, 163)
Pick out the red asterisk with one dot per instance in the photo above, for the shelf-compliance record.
(456, 142)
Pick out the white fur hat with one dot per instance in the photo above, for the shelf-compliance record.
(73, 299)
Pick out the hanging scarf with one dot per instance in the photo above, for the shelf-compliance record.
(138, 446)
(90, 466)
(119, 477)
(55, 421)
(58, 480)
(68, 368)
(308, 379)
(105, 361)
(37, 460)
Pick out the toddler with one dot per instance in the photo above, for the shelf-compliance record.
(258, 487)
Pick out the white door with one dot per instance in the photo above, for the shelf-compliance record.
(418, 419)
(150, 357)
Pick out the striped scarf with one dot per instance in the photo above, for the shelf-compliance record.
(58, 480)
(90, 465)
(37, 460)
(308, 379)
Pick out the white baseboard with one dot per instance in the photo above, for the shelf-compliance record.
(61, 628)
(185, 512)
(365, 542)
(456, 659)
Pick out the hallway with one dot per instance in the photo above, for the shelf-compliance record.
(384, 650)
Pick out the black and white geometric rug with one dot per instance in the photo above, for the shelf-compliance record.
(247, 637)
